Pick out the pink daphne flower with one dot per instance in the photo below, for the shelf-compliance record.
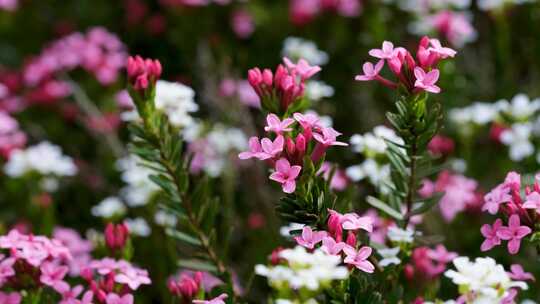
(517, 273)
(133, 277)
(352, 221)
(386, 52)
(325, 139)
(533, 201)
(513, 233)
(265, 149)
(441, 255)
(490, 233)
(217, 300)
(331, 247)
(495, 197)
(359, 258)
(113, 298)
(10, 298)
(302, 68)
(310, 238)
(426, 81)
(277, 126)
(371, 72)
(437, 48)
(52, 274)
(286, 175)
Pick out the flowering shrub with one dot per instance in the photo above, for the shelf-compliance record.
(299, 151)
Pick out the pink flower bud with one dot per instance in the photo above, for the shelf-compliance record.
(116, 236)
(291, 148)
(300, 145)
(351, 239)
(267, 77)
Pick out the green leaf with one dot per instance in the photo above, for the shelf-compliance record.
(197, 265)
(384, 208)
(182, 236)
(427, 204)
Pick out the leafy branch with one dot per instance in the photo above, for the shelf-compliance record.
(160, 146)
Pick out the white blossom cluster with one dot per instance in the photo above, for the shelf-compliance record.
(296, 48)
(375, 167)
(44, 159)
(303, 270)
(483, 279)
(491, 5)
(138, 187)
(521, 115)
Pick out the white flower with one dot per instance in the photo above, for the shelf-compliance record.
(389, 256)
(138, 226)
(139, 188)
(517, 138)
(490, 5)
(484, 278)
(399, 235)
(296, 48)
(480, 113)
(109, 207)
(177, 101)
(165, 219)
(43, 158)
(304, 269)
(377, 174)
(374, 142)
(285, 231)
(520, 108)
(317, 90)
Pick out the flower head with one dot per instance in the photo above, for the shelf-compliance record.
(286, 175)
(310, 238)
(426, 81)
(359, 259)
(513, 233)
(370, 71)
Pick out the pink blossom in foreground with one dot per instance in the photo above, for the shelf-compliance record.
(370, 72)
(359, 259)
(330, 246)
(499, 195)
(10, 298)
(302, 68)
(286, 175)
(490, 233)
(274, 124)
(513, 233)
(426, 81)
(326, 138)
(352, 221)
(217, 300)
(386, 52)
(310, 238)
(143, 72)
(517, 273)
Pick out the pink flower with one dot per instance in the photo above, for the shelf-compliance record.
(255, 149)
(352, 221)
(490, 233)
(142, 72)
(386, 52)
(533, 201)
(265, 149)
(217, 300)
(52, 273)
(6, 269)
(10, 298)
(359, 258)
(310, 238)
(370, 72)
(495, 197)
(426, 81)
(308, 120)
(303, 68)
(513, 233)
(327, 137)
(187, 286)
(242, 24)
(330, 246)
(116, 236)
(113, 298)
(286, 175)
(277, 126)
(133, 277)
(443, 52)
(441, 255)
(517, 273)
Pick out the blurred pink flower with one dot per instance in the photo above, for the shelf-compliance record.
(370, 72)
(330, 246)
(243, 24)
(359, 259)
(490, 233)
(310, 238)
(217, 300)
(517, 273)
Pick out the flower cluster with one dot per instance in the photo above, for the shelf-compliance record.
(79, 248)
(302, 12)
(427, 263)
(514, 123)
(143, 72)
(189, 285)
(280, 90)
(114, 279)
(506, 199)
(375, 167)
(44, 159)
(286, 152)
(304, 273)
(11, 137)
(484, 281)
(460, 193)
(98, 52)
(414, 76)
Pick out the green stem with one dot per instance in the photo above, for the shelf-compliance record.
(412, 181)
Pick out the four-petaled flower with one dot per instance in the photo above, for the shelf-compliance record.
(302, 68)
(310, 238)
(386, 52)
(490, 233)
(286, 175)
(426, 81)
(330, 246)
(370, 71)
(495, 197)
(352, 221)
(513, 233)
(517, 273)
(443, 52)
(533, 201)
(359, 258)
(276, 125)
